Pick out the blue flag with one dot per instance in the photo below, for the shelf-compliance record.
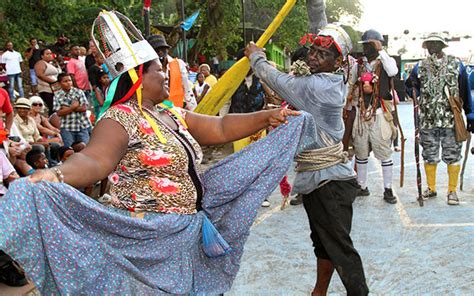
(189, 22)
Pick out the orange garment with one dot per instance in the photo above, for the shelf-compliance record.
(176, 84)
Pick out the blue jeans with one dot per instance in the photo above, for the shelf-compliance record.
(19, 83)
(70, 138)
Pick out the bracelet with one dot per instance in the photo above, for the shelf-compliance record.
(58, 174)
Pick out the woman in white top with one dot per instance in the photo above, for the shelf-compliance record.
(200, 87)
(47, 78)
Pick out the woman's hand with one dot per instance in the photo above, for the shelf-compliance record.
(279, 116)
(43, 175)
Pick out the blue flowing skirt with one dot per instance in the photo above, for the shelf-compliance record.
(70, 244)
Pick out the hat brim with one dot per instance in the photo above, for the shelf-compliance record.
(22, 106)
(434, 39)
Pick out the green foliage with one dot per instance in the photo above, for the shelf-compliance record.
(218, 28)
(336, 9)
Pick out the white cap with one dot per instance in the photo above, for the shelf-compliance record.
(339, 35)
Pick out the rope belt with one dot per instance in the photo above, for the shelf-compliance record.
(322, 158)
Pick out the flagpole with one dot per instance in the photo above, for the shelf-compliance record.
(185, 45)
(146, 16)
(243, 23)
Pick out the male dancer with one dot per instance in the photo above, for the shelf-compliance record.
(328, 186)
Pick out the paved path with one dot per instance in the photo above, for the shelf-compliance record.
(406, 250)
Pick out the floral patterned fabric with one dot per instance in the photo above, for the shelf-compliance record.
(153, 176)
(69, 244)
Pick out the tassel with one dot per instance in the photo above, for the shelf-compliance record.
(213, 244)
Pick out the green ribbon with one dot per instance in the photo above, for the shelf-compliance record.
(110, 95)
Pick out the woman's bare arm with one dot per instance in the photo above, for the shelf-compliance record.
(106, 148)
(215, 130)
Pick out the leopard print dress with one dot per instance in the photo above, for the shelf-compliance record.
(152, 176)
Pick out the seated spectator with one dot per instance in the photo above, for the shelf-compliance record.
(46, 129)
(8, 173)
(28, 130)
(37, 159)
(15, 149)
(71, 105)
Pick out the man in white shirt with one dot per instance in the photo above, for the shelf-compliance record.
(12, 60)
(374, 129)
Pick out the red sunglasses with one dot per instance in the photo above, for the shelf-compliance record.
(322, 41)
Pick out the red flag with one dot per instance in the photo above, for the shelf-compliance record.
(147, 4)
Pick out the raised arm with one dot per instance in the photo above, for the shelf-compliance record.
(285, 85)
(106, 148)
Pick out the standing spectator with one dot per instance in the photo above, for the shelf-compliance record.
(180, 93)
(59, 48)
(95, 72)
(71, 104)
(33, 55)
(3, 72)
(438, 79)
(90, 58)
(47, 77)
(7, 110)
(78, 72)
(82, 54)
(12, 60)
(215, 65)
(200, 88)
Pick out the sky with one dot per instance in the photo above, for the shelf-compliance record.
(420, 17)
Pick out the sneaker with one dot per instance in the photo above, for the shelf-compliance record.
(453, 199)
(297, 200)
(363, 192)
(428, 194)
(11, 276)
(265, 204)
(389, 197)
(397, 149)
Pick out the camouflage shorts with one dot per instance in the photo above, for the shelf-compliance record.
(431, 139)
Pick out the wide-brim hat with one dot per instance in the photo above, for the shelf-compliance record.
(157, 41)
(435, 37)
(23, 103)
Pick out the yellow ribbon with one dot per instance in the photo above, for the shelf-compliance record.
(133, 75)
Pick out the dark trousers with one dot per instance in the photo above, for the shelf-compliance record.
(48, 99)
(329, 210)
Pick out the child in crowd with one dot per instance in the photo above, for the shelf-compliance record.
(71, 105)
(36, 158)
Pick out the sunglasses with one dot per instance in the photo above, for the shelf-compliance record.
(37, 104)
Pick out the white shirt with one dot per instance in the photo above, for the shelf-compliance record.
(12, 60)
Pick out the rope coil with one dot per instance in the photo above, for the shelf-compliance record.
(322, 158)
